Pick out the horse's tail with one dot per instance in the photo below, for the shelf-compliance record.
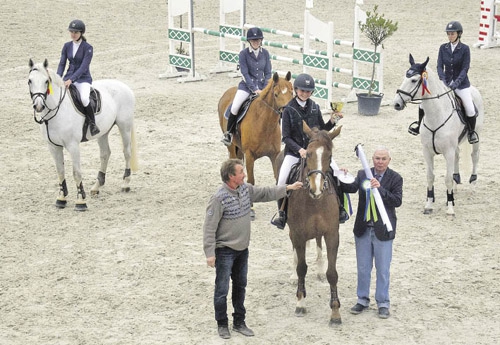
(134, 161)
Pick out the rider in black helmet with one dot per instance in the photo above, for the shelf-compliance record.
(79, 54)
(301, 108)
(255, 67)
(452, 67)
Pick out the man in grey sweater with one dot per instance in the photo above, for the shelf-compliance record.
(226, 237)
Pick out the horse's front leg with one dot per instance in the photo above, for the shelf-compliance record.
(249, 162)
(104, 153)
(300, 309)
(429, 160)
(450, 168)
(58, 156)
(332, 247)
(74, 151)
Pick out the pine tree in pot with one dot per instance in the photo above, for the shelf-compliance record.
(377, 29)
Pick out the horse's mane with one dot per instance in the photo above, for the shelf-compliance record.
(266, 90)
(56, 78)
(322, 136)
(436, 84)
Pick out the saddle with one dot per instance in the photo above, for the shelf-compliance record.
(95, 103)
(243, 109)
(95, 99)
(296, 172)
(461, 109)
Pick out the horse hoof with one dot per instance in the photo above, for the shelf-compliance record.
(473, 178)
(94, 192)
(428, 211)
(300, 311)
(61, 203)
(125, 189)
(335, 322)
(81, 207)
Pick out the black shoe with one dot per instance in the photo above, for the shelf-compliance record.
(243, 329)
(343, 216)
(383, 312)
(414, 128)
(224, 332)
(228, 138)
(279, 221)
(358, 309)
(473, 137)
(94, 130)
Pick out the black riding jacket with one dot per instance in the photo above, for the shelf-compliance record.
(291, 126)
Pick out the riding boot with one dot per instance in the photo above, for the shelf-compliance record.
(279, 219)
(231, 124)
(89, 112)
(414, 128)
(343, 215)
(471, 127)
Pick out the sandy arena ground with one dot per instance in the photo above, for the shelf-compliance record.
(131, 269)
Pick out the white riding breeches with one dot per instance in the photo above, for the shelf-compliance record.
(84, 90)
(239, 98)
(290, 160)
(466, 97)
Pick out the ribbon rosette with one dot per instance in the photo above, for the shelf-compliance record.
(370, 208)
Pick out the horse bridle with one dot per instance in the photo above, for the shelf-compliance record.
(43, 96)
(413, 92)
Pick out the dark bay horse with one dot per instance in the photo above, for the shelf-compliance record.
(258, 134)
(313, 213)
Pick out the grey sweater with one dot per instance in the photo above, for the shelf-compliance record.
(227, 218)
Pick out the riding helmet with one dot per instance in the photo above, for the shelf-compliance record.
(254, 34)
(304, 82)
(454, 26)
(77, 25)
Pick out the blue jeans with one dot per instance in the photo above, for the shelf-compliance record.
(232, 264)
(368, 248)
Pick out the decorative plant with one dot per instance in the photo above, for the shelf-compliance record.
(377, 29)
(180, 50)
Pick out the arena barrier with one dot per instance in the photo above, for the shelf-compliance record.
(313, 61)
(489, 30)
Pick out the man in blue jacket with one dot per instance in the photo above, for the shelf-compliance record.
(373, 240)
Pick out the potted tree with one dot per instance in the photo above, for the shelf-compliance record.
(377, 29)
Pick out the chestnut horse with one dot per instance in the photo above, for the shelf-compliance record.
(313, 213)
(259, 133)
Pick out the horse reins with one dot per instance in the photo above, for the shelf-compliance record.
(43, 96)
(412, 94)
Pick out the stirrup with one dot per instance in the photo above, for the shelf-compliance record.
(227, 139)
(279, 220)
(94, 130)
(414, 128)
(473, 137)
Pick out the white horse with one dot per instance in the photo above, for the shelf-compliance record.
(442, 129)
(62, 125)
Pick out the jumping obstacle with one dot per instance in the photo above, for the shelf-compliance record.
(489, 30)
(312, 61)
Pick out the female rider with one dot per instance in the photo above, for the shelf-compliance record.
(79, 54)
(255, 67)
(301, 108)
(452, 67)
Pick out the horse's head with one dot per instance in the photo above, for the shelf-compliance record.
(40, 82)
(319, 156)
(278, 92)
(415, 79)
